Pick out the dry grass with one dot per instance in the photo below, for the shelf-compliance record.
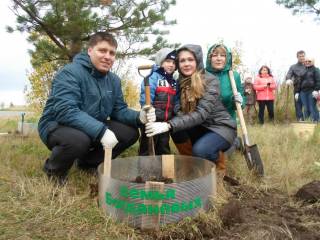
(33, 208)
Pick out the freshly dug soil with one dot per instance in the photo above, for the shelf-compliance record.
(139, 179)
(253, 214)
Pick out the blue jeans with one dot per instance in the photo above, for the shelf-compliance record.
(209, 145)
(309, 105)
(298, 108)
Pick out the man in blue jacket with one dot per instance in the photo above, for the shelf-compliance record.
(86, 112)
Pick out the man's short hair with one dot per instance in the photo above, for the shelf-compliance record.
(300, 52)
(102, 36)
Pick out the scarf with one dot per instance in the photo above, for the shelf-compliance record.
(187, 98)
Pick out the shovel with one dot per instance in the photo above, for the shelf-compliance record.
(107, 162)
(250, 152)
(151, 150)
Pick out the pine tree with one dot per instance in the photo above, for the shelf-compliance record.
(302, 6)
(59, 29)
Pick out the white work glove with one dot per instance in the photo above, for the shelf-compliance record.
(147, 114)
(315, 94)
(154, 128)
(289, 82)
(296, 96)
(238, 98)
(109, 140)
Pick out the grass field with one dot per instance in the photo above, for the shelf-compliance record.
(33, 208)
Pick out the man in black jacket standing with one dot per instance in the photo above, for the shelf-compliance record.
(296, 71)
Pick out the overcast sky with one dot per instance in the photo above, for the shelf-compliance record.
(269, 34)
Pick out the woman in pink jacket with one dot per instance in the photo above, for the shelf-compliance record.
(265, 85)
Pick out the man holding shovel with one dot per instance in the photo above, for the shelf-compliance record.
(86, 112)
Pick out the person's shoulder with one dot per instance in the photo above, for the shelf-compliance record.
(211, 80)
(69, 68)
(156, 75)
(257, 78)
(295, 65)
(209, 76)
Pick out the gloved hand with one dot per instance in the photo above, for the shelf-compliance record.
(154, 128)
(147, 114)
(238, 98)
(315, 94)
(296, 96)
(109, 140)
(289, 82)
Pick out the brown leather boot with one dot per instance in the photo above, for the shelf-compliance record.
(184, 148)
(221, 163)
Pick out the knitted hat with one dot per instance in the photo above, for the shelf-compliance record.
(163, 54)
(248, 79)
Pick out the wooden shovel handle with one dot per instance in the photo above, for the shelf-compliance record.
(145, 67)
(238, 105)
(148, 96)
(107, 162)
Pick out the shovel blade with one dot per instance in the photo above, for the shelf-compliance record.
(253, 159)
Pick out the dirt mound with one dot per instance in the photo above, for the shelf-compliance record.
(309, 192)
(252, 214)
(268, 214)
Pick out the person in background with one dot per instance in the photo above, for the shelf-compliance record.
(309, 90)
(162, 93)
(200, 112)
(265, 85)
(251, 98)
(86, 112)
(293, 77)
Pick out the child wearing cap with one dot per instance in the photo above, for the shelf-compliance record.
(162, 91)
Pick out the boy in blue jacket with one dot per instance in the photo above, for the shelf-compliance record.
(162, 91)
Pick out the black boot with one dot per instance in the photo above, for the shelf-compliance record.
(58, 178)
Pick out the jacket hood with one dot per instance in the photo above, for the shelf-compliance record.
(228, 65)
(197, 51)
(84, 59)
(163, 54)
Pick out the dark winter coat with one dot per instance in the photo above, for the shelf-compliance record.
(296, 71)
(310, 81)
(83, 98)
